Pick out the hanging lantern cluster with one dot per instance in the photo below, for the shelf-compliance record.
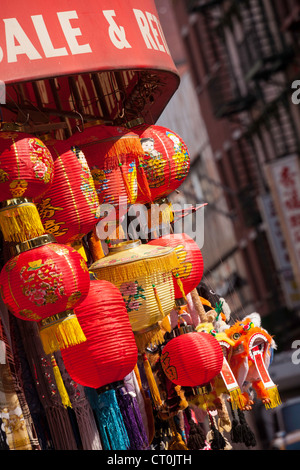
(112, 154)
(110, 317)
(143, 274)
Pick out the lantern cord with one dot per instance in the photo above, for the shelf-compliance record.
(240, 430)
(60, 384)
(217, 441)
(152, 383)
(198, 306)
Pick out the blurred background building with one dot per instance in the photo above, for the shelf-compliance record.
(238, 110)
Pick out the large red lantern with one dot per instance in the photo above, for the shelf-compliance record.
(69, 210)
(189, 273)
(192, 359)
(44, 283)
(26, 171)
(110, 352)
(112, 153)
(165, 161)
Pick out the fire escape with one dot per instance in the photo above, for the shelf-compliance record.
(250, 82)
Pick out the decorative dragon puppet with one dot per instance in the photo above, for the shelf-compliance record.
(249, 360)
(247, 349)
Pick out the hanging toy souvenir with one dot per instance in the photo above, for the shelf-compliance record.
(250, 358)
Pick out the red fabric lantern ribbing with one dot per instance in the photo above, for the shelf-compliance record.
(69, 209)
(111, 153)
(110, 352)
(190, 270)
(26, 166)
(165, 161)
(26, 171)
(45, 284)
(192, 359)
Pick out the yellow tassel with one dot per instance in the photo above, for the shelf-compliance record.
(144, 338)
(158, 214)
(183, 401)
(58, 335)
(60, 384)
(236, 399)
(21, 222)
(152, 383)
(158, 301)
(78, 246)
(180, 285)
(274, 397)
(167, 215)
(165, 325)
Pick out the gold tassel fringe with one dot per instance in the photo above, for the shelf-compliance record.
(138, 269)
(60, 384)
(78, 246)
(158, 302)
(143, 339)
(180, 285)
(152, 383)
(274, 397)
(117, 149)
(21, 222)
(61, 334)
(236, 399)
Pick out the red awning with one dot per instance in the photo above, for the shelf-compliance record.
(69, 38)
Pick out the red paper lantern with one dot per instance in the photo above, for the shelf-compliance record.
(44, 283)
(26, 171)
(165, 161)
(190, 271)
(69, 210)
(192, 359)
(111, 153)
(110, 352)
